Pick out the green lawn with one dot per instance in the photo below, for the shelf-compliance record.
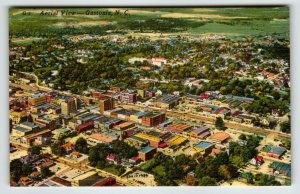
(160, 170)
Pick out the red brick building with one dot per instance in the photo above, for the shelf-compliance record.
(153, 119)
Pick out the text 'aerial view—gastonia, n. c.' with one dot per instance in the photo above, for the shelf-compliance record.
(149, 96)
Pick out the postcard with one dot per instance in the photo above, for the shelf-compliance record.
(149, 96)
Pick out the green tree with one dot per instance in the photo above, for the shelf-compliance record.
(45, 172)
(56, 149)
(285, 126)
(81, 145)
(207, 181)
(243, 137)
(35, 150)
(219, 123)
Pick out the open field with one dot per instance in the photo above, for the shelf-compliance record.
(231, 22)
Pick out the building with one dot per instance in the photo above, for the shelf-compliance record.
(158, 61)
(68, 105)
(167, 101)
(25, 128)
(276, 152)
(106, 103)
(153, 119)
(220, 137)
(96, 138)
(147, 153)
(86, 179)
(222, 112)
(84, 127)
(200, 133)
(203, 146)
(36, 99)
(128, 97)
(179, 127)
(39, 138)
(176, 140)
(125, 125)
(153, 140)
(61, 182)
(109, 181)
(280, 168)
(257, 160)
(47, 123)
(68, 147)
(137, 117)
(141, 93)
(112, 159)
(135, 59)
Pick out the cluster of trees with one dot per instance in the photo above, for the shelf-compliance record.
(168, 170)
(161, 25)
(19, 169)
(224, 166)
(285, 126)
(266, 105)
(239, 155)
(213, 170)
(81, 145)
(98, 153)
(35, 150)
(56, 147)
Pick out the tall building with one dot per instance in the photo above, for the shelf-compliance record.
(128, 97)
(68, 105)
(106, 103)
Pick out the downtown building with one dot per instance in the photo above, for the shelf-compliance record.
(106, 103)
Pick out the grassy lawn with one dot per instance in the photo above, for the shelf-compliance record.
(160, 170)
(114, 169)
(147, 165)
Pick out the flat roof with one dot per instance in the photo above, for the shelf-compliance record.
(168, 99)
(147, 149)
(221, 136)
(203, 145)
(30, 124)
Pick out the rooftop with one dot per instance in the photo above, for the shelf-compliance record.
(168, 99)
(200, 130)
(147, 149)
(220, 136)
(203, 145)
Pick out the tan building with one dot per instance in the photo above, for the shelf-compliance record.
(68, 105)
(106, 103)
(36, 99)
